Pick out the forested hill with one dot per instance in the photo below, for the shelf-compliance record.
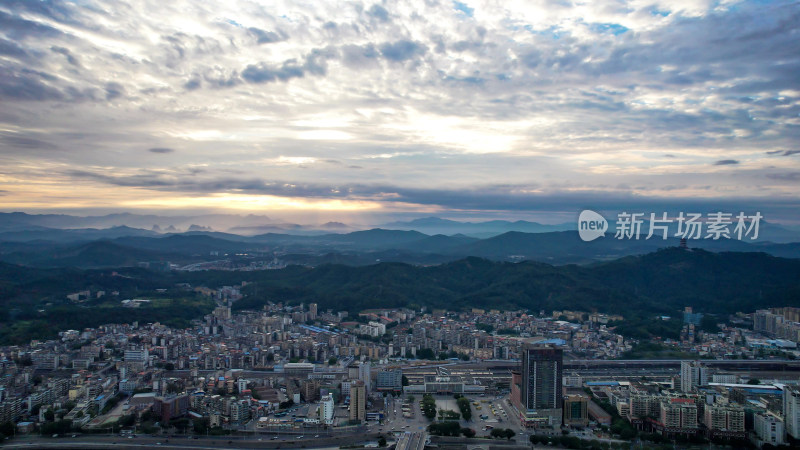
(661, 282)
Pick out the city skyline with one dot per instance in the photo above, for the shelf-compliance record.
(463, 109)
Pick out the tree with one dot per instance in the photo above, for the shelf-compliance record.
(127, 420)
(287, 404)
(381, 441)
(425, 353)
(753, 381)
(181, 423)
(468, 432)
(508, 433)
(60, 427)
(7, 428)
(332, 361)
(628, 433)
(406, 383)
(465, 407)
(410, 399)
(429, 406)
(200, 425)
(497, 433)
(448, 428)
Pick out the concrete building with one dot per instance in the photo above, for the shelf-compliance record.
(326, 409)
(240, 411)
(679, 415)
(724, 421)
(693, 375)
(136, 358)
(390, 380)
(791, 410)
(642, 405)
(171, 407)
(576, 410)
(312, 311)
(540, 390)
(358, 401)
(768, 428)
(365, 375)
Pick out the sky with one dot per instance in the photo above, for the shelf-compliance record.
(337, 109)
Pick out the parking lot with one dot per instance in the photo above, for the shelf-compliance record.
(487, 412)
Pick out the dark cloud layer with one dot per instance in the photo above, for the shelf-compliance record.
(487, 197)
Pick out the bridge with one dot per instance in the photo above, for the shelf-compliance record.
(412, 441)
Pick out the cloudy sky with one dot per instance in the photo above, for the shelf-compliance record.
(457, 108)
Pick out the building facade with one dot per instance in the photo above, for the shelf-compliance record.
(540, 388)
(358, 401)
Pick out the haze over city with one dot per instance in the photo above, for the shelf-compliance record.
(363, 109)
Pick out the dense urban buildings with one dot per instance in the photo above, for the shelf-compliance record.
(277, 370)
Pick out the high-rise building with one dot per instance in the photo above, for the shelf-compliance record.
(358, 401)
(365, 375)
(312, 311)
(693, 375)
(540, 387)
(679, 414)
(791, 411)
(326, 410)
(240, 411)
(310, 390)
(725, 418)
(768, 428)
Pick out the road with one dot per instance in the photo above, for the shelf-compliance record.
(215, 443)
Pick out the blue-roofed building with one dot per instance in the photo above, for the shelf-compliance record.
(602, 383)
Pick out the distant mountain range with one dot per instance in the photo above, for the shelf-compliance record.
(435, 225)
(20, 226)
(356, 248)
(24, 239)
(22, 221)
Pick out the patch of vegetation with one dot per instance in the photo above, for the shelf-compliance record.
(653, 350)
(465, 407)
(429, 406)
